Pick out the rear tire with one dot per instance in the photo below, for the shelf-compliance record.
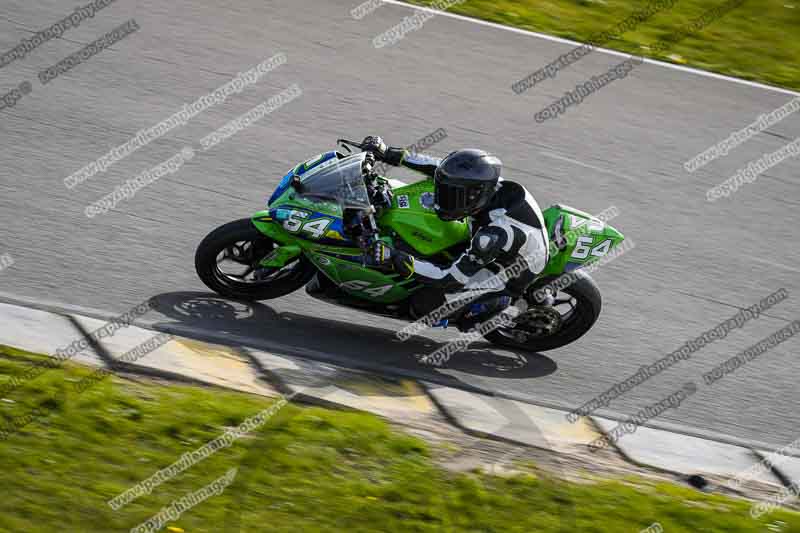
(586, 312)
(287, 280)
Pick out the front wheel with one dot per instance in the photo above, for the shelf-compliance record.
(227, 261)
(574, 310)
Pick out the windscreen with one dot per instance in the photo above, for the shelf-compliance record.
(340, 181)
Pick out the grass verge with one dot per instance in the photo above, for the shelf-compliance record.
(756, 41)
(307, 469)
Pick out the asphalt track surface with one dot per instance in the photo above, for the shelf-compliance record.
(694, 262)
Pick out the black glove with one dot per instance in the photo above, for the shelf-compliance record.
(381, 254)
(375, 145)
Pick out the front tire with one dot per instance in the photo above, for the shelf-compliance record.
(241, 243)
(584, 313)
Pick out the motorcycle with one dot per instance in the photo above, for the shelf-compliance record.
(327, 211)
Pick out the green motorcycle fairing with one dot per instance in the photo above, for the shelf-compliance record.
(576, 239)
(314, 226)
(413, 219)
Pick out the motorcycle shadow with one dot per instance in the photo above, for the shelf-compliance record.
(212, 318)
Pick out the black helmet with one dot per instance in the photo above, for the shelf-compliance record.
(464, 182)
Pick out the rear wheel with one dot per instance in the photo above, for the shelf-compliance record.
(227, 262)
(573, 312)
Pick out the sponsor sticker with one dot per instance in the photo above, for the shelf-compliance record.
(426, 200)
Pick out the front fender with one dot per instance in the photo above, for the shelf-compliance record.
(271, 228)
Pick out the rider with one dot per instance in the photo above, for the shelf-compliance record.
(505, 221)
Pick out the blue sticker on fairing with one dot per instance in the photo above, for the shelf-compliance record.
(282, 186)
(280, 214)
(302, 168)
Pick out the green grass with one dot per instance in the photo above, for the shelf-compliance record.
(307, 469)
(756, 41)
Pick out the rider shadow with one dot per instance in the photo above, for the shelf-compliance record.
(212, 318)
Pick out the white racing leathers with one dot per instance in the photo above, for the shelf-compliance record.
(508, 236)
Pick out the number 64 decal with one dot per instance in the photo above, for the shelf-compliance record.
(583, 248)
(296, 222)
(364, 286)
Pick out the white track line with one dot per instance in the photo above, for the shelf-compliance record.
(773, 263)
(603, 50)
(586, 165)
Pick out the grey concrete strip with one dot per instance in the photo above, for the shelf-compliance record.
(684, 454)
(41, 332)
(205, 363)
(327, 384)
(95, 345)
(367, 364)
(787, 467)
(512, 420)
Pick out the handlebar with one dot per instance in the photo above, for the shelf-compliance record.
(345, 143)
(369, 228)
(369, 161)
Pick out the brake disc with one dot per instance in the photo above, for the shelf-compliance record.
(537, 322)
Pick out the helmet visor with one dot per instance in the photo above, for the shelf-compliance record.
(457, 201)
